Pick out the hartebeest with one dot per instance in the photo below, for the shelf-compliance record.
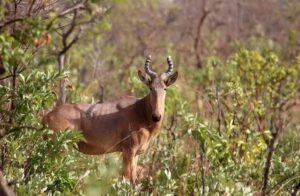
(124, 125)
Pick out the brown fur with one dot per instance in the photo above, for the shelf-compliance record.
(125, 125)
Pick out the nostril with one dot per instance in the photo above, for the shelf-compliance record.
(156, 118)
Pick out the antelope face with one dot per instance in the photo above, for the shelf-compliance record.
(157, 85)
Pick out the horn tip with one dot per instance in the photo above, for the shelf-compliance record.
(149, 56)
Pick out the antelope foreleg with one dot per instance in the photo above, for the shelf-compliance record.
(134, 168)
(130, 165)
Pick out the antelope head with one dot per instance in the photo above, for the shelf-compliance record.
(157, 83)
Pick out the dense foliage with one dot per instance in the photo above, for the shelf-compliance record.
(231, 125)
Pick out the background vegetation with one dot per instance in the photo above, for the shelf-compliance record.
(232, 119)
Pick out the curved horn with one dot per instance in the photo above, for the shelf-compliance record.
(147, 67)
(170, 68)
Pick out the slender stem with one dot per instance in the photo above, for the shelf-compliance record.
(61, 63)
(219, 110)
(202, 160)
(271, 147)
(14, 79)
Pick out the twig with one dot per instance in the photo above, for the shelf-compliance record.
(11, 75)
(14, 129)
(30, 7)
(276, 127)
(63, 51)
(202, 158)
(198, 37)
(219, 110)
(10, 22)
(14, 83)
(80, 5)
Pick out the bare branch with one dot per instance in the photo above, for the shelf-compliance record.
(30, 7)
(11, 75)
(78, 6)
(198, 36)
(70, 30)
(10, 22)
(75, 39)
(67, 46)
(92, 20)
(219, 110)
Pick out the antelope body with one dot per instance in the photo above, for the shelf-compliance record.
(125, 125)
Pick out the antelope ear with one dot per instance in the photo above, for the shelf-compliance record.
(143, 77)
(171, 79)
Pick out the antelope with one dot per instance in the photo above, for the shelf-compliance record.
(125, 125)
